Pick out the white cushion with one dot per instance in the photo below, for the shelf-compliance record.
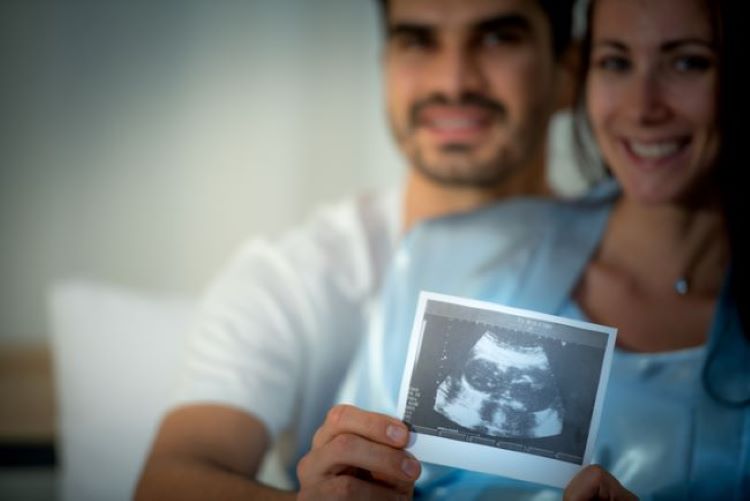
(116, 355)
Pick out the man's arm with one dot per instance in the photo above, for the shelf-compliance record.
(207, 452)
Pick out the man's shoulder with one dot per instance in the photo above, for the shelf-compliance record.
(346, 243)
(372, 211)
(375, 212)
(367, 223)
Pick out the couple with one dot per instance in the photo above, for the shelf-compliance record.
(653, 259)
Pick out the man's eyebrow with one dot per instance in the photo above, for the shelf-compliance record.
(495, 23)
(512, 21)
(407, 28)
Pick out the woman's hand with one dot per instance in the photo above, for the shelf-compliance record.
(594, 483)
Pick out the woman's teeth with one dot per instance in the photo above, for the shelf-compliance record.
(655, 150)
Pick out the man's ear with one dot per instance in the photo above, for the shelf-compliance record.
(568, 83)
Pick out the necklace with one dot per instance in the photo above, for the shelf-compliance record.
(683, 283)
(681, 286)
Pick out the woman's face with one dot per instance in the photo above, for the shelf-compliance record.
(652, 95)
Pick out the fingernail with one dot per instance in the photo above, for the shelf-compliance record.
(395, 433)
(410, 467)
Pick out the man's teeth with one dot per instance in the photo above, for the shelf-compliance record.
(455, 123)
(655, 150)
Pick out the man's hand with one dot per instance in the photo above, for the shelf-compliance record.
(594, 483)
(358, 455)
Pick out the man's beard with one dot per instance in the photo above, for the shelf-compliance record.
(465, 172)
(462, 170)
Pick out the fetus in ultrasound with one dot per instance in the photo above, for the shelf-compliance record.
(503, 390)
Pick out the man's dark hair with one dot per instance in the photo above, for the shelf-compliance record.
(559, 13)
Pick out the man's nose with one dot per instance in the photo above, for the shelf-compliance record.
(456, 72)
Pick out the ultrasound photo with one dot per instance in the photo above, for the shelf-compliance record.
(506, 380)
(503, 390)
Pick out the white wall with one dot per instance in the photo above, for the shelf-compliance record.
(141, 141)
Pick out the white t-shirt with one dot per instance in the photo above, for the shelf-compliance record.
(279, 326)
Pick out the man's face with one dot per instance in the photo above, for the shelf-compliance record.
(470, 85)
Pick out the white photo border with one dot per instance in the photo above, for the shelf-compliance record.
(490, 459)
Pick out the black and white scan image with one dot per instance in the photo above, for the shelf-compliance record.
(508, 381)
(504, 389)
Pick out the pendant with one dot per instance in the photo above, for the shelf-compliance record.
(681, 286)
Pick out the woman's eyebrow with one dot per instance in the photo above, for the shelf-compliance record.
(610, 43)
(667, 46)
(682, 42)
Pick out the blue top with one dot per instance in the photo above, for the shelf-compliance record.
(661, 434)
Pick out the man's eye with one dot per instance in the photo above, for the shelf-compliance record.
(413, 40)
(496, 38)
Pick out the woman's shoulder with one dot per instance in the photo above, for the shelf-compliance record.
(509, 252)
(519, 219)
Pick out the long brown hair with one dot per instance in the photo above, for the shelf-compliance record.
(730, 172)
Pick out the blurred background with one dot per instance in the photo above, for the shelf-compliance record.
(142, 141)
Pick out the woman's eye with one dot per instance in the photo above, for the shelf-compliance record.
(616, 64)
(685, 64)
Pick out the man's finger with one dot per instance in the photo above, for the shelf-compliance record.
(370, 425)
(346, 487)
(390, 466)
